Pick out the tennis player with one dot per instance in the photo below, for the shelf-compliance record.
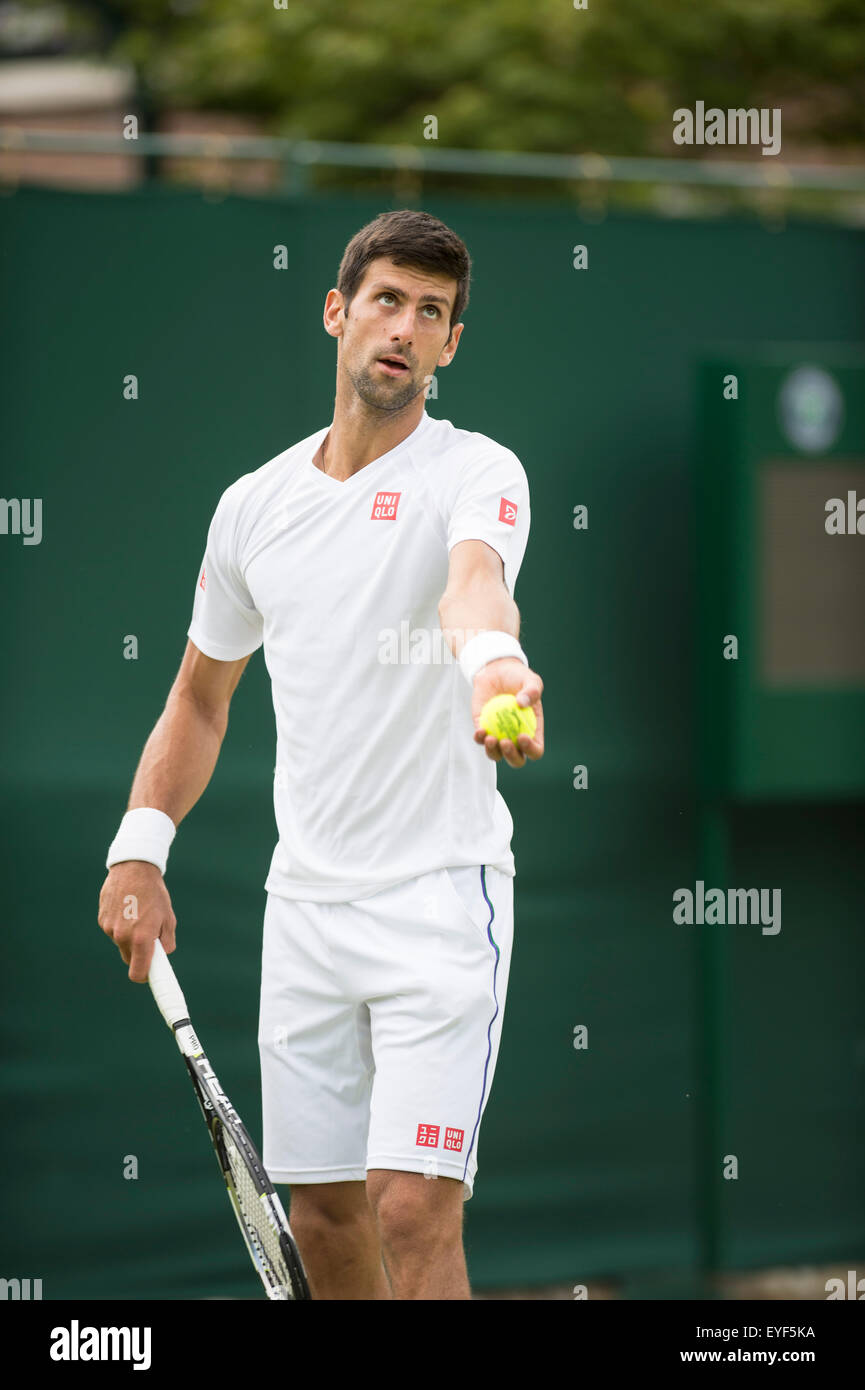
(375, 561)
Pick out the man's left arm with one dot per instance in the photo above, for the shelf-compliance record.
(476, 600)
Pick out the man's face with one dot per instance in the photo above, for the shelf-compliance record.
(396, 332)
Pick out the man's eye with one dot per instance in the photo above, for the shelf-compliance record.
(433, 309)
(385, 295)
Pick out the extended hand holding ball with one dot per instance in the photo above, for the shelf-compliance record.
(504, 718)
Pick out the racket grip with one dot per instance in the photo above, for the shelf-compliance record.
(166, 990)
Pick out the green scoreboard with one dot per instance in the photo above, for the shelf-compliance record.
(780, 528)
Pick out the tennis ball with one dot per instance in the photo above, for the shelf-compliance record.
(504, 718)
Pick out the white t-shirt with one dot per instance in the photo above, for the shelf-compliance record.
(377, 778)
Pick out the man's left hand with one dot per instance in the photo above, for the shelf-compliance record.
(507, 676)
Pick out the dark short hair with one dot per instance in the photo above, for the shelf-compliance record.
(411, 238)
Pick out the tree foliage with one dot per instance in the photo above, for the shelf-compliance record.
(500, 74)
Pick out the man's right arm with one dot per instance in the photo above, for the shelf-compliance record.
(175, 767)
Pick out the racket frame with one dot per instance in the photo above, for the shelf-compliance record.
(223, 1121)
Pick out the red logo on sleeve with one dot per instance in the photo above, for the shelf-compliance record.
(427, 1136)
(454, 1139)
(384, 506)
(201, 580)
(508, 512)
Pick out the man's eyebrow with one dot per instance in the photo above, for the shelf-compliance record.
(401, 294)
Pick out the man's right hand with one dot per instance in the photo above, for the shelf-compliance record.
(135, 910)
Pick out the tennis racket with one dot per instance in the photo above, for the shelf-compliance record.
(257, 1208)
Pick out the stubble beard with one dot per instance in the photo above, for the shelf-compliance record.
(389, 395)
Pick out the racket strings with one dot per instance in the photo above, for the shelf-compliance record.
(253, 1209)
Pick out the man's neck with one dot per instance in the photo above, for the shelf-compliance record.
(350, 445)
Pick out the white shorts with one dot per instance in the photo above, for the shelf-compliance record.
(380, 1025)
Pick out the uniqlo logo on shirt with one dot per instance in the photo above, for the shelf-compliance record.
(385, 505)
(508, 512)
(454, 1139)
(427, 1136)
(201, 581)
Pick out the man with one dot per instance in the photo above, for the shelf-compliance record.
(389, 917)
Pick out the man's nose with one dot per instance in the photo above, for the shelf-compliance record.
(403, 324)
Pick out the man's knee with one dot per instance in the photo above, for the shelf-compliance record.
(414, 1211)
(317, 1209)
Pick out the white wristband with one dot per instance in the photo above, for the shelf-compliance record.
(144, 834)
(488, 646)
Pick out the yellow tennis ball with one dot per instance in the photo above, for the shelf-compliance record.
(504, 718)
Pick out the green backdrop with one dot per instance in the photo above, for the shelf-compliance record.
(588, 1158)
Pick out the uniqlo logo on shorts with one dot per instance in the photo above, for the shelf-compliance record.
(427, 1136)
(385, 505)
(201, 581)
(508, 512)
(454, 1139)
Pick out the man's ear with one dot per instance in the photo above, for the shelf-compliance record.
(450, 347)
(331, 317)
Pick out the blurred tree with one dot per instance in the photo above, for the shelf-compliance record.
(501, 74)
